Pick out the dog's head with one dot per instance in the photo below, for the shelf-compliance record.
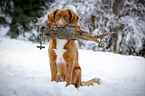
(62, 17)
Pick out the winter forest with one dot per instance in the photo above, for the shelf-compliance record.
(25, 69)
(126, 17)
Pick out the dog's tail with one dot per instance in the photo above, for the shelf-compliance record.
(91, 82)
(77, 82)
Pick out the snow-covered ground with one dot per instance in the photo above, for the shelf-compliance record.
(25, 71)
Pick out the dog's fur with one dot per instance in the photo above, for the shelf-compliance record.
(63, 54)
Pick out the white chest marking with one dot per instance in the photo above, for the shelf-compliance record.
(60, 51)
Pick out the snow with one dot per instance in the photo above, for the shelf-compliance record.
(25, 71)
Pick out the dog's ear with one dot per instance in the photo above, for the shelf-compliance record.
(74, 18)
(51, 16)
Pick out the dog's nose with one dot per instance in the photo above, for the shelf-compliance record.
(60, 24)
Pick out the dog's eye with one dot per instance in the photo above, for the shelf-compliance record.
(57, 16)
(66, 17)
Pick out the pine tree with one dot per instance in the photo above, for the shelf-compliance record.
(22, 13)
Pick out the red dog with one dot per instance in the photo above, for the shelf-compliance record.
(63, 53)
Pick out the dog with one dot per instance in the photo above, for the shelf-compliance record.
(63, 54)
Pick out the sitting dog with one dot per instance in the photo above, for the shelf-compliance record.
(63, 53)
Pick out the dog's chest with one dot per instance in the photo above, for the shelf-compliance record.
(60, 51)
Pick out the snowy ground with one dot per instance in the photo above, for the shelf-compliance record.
(25, 71)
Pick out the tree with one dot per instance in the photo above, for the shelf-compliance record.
(21, 15)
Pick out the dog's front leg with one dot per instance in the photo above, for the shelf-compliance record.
(53, 71)
(69, 73)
